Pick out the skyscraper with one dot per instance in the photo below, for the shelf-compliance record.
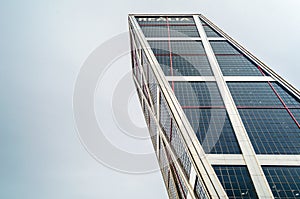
(222, 123)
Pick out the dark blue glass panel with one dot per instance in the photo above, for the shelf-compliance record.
(232, 62)
(209, 31)
(155, 31)
(188, 58)
(236, 181)
(197, 94)
(223, 48)
(183, 31)
(171, 31)
(213, 130)
(283, 181)
(177, 47)
(289, 99)
(237, 66)
(296, 113)
(256, 94)
(271, 131)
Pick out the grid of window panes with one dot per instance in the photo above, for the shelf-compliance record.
(296, 113)
(271, 131)
(232, 62)
(200, 193)
(209, 31)
(187, 58)
(153, 131)
(224, 48)
(284, 181)
(236, 181)
(168, 26)
(198, 94)
(150, 80)
(269, 123)
(179, 149)
(289, 99)
(237, 66)
(165, 170)
(213, 130)
(172, 189)
(181, 186)
(172, 133)
(253, 94)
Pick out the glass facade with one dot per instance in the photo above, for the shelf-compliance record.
(181, 58)
(222, 124)
(213, 130)
(236, 181)
(283, 181)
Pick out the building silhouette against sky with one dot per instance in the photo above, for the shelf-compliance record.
(222, 123)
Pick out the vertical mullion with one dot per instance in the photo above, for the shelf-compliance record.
(260, 182)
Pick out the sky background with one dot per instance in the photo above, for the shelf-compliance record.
(43, 45)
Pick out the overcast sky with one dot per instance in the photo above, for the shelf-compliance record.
(43, 46)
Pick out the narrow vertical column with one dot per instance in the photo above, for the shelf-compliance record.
(192, 180)
(255, 170)
(157, 117)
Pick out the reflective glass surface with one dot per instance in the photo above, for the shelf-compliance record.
(187, 58)
(198, 94)
(283, 181)
(236, 181)
(213, 130)
(271, 131)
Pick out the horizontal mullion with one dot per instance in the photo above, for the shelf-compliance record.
(191, 78)
(168, 54)
(234, 159)
(172, 38)
(165, 24)
(203, 107)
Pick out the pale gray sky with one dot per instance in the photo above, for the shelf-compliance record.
(44, 44)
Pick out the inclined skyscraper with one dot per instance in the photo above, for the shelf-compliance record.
(222, 123)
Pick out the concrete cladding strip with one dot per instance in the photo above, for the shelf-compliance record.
(204, 169)
(260, 182)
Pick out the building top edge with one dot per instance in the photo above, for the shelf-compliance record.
(155, 15)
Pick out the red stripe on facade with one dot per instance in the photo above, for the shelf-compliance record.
(280, 99)
(170, 52)
(178, 179)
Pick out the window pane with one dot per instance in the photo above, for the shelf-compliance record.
(283, 181)
(236, 181)
(271, 131)
(213, 130)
